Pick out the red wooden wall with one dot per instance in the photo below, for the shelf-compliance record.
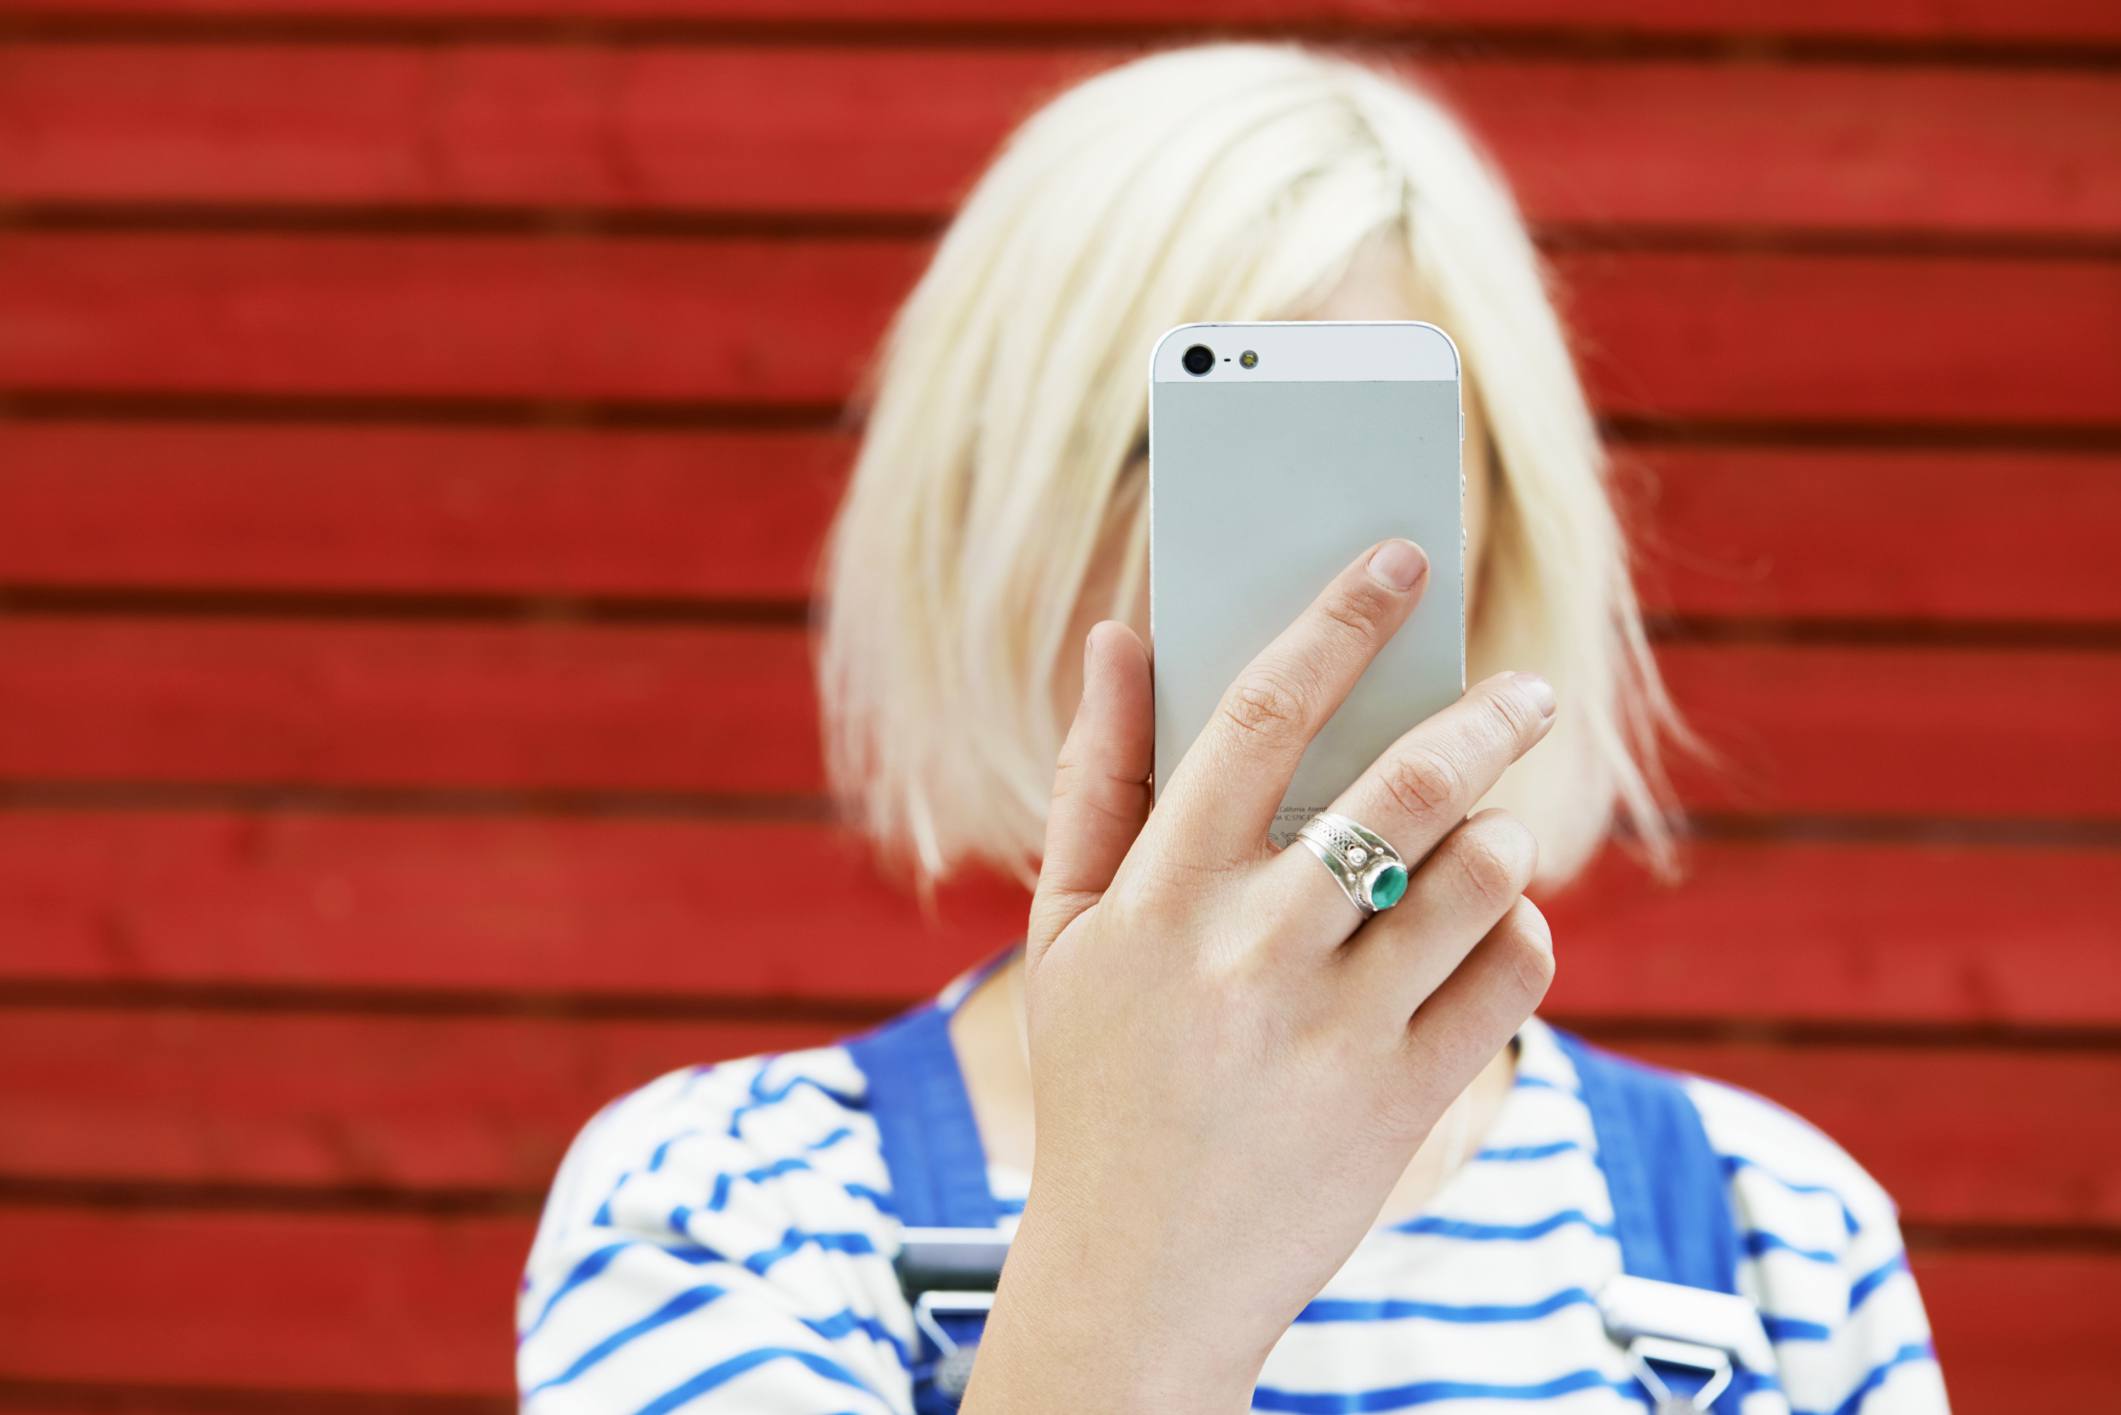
(416, 421)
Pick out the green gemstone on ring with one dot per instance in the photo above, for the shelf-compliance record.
(1388, 885)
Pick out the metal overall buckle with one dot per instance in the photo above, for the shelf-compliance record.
(953, 1361)
(1715, 1366)
(1666, 1327)
(950, 1272)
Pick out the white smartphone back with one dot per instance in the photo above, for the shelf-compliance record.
(1266, 476)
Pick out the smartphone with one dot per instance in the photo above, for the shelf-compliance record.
(1277, 452)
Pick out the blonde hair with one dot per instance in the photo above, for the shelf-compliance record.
(1225, 182)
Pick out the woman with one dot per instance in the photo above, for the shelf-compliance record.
(1286, 1156)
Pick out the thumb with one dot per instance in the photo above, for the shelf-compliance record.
(1100, 786)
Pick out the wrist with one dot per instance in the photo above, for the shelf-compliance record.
(1077, 1326)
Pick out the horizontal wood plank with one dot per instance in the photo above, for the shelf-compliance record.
(675, 909)
(728, 709)
(418, 1304)
(2039, 22)
(482, 1105)
(559, 706)
(2012, 1331)
(1944, 1128)
(1883, 730)
(641, 908)
(1747, 143)
(345, 1302)
(1843, 338)
(747, 127)
(1818, 337)
(1756, 532)
(1933, 534)
(659, 321)
(103, 1398)
(417, 510)
(1832, 931)
(374, 1103)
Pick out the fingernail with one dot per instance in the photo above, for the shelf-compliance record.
(1398, 565)
(1539, 690)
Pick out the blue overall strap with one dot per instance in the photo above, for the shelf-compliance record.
(1671, 1211)
(924, 1123)
(938, 1167)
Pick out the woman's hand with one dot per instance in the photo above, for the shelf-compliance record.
(1231, 1067)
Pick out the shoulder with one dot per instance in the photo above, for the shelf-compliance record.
(721, 1233)
(1782, 1166)
(1823, 1257)
(750, 1137)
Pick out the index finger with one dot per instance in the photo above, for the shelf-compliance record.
(1225, 790)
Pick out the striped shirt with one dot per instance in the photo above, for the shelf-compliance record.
(721, 1240)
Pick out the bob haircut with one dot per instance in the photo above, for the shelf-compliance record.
(1230, 181)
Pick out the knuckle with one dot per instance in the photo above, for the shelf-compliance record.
(1514, 718)
(1423, 782)
(1495, 861)
(1175, 883)
(1414, 1107)
(1082, 785)
(1266, 701)
(1531, 950)
(1112, 804)
(1067, 777)
(1360, 609)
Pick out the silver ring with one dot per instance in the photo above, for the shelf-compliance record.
(1369, 871)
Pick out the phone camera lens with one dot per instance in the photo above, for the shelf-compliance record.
(1199, 359)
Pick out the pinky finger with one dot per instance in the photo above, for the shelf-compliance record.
(1476, 1010)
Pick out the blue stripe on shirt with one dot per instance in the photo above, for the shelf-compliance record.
(724, 1182)
(662, 1151)
(1471, 1232)
(1333, 1309)
(1541, 1083)
(1733, 1163)
(762, 1097)
(1511, 1154)
(1427, 1392)
(1760, 1242)
(724, 1372)
(1781, 1329)
(582, 1272)
(1876, 1376)
(844, 1322)
(1861, 1289)
(694, 1254)
(833, 1328)
(877, 1198)
(686, 1302)
(794, 1240)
